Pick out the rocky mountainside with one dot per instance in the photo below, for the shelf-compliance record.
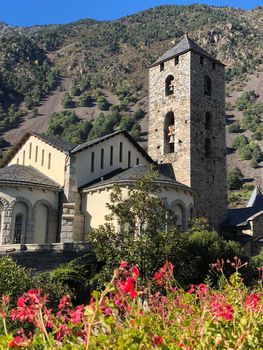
(113, 56)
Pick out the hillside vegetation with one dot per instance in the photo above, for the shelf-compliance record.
(90, 67)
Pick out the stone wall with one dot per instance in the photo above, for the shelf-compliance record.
(206, 175)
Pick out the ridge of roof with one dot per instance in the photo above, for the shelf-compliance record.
(256, 199)
(184, 45)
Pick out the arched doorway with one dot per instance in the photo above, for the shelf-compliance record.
(41, 224)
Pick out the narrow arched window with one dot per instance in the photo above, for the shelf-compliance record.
(43, 157)
(169, 85)
(24, 157)
(120, 154)
(169, 133)
(208, 121)
(137, 161)
(18, 229)
(30, 150)
(36, 155)
(92, 162)
(129, 159)
(111, 155)
(208, 148)
(49, 160)
(208, 86)
(102, 158)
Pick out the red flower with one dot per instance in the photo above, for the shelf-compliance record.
(64, 301)
(136, 272)
(63, 330)
(77, 315)
(157, 340)
(164, 274)
(16, 341)
(220, 309)
(123, 264)
(107, 311)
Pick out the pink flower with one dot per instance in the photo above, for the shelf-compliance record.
(164, 274)
(123, 264)
(77, 315)
(252, 301)
(220, 309)
(64, 301)
(192, 289)
(63, 330)
(107, 311)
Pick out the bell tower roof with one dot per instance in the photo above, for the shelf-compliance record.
(184, 45)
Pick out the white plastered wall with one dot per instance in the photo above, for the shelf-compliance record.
(83, 159)
(95, 203)
(54, 167)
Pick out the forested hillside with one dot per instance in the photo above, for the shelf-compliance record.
(98, 72)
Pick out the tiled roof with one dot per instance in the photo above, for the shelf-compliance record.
(240, 216)
(57, 142)
(184, 45)
(130, 175)
(25, 175)
(256, 199)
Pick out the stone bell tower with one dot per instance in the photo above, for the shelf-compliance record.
(187, 123)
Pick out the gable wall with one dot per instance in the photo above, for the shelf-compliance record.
(83, 159)
(57, 161)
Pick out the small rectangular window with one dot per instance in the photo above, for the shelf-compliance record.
(120, 155)
(49, 160)
(36, 155)
(176, 60)
(129, 159)
(102, 158)
(201, 60)
(24, 157)
(43, 157)
(214, 65)
(92, 162)
(17, 160)
(30, 150)
(161, 66)
(111, 155)
(137, 161)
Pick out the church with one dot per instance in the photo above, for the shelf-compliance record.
(52, 191)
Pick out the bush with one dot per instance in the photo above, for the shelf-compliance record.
(234, 179)
(67, 101)
(160, 315)
(234, 128)
(85, 100)
(102, 103)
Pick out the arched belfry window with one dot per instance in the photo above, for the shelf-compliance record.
(169, 130)
(169, 85)
(208, 150)
(208, 86)
(18, 229)
(208, 121)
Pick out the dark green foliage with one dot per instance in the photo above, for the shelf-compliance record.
(102, 103)
(126, 123)
(135, 131)
(240, 141)
(85, 100)
(138, 114)
(245, 99)
(14, 280)
(234, 179)
(67, 101)
(67, 126)
(75, 90)
(234, 128)
(142, 239)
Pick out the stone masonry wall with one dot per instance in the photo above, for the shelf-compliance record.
(208, 174)
(179, 104)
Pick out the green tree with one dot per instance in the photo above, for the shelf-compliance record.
(234, 179)
(67, 101)
(102, 103)
(85, 100)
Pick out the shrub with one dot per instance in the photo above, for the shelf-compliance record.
(67, 101)
(102, 103)
(234, 179)
(240, 141)
(234, 128)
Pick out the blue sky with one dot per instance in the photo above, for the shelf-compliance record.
(30, 12)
